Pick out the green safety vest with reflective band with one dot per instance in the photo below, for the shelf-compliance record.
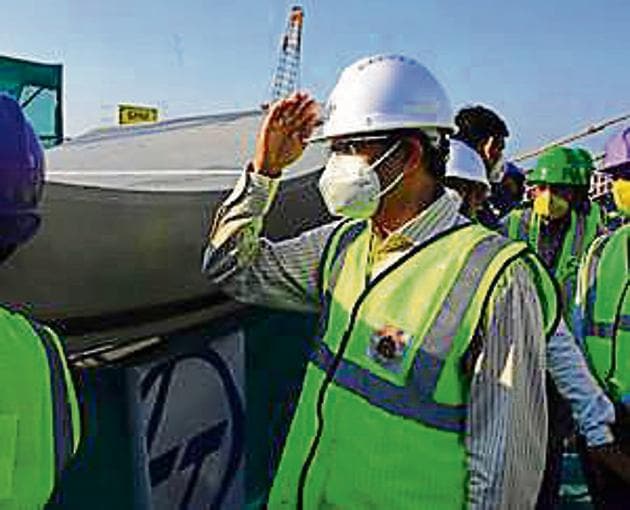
(605, 297)
(524, 225)
(393, 419)
(39, 414)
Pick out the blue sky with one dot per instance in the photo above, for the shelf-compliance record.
(549, 67)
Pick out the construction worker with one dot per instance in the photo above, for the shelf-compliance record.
(559, 226)
(427, 382)
(593, 412)
(466, 174)
(603, 325)
(505, 195)
(562, 222)
(39, 417)
(484, 131)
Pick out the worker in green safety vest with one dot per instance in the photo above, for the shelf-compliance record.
(559, 226)
(602, 320)
(562, 222)
(426, 387)
(590, 408)
(39, 416)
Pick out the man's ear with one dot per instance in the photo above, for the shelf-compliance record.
(415, 155)
(484, 147)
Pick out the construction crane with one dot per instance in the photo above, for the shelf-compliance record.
(286, 79)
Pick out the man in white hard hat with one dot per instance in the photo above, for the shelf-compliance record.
(484, 131)
(466, 174)
(426, 387)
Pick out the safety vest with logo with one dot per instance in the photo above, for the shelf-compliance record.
(524, 225)
(381, 419)
(39, 414)
(604, 288)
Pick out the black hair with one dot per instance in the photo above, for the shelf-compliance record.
(477, 123)
(434, 154)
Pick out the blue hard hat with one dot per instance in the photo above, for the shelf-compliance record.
(21, 175)
(511, 170)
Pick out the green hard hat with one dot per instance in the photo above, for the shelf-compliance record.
(561, 165)
(587, 164)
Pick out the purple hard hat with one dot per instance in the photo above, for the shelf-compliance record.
(21, 175)
(617, 155)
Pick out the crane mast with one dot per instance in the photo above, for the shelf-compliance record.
(286, 79)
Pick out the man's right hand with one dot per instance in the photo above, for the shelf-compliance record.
(282, 136)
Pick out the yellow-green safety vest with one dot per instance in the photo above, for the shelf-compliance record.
(381, 419)
(524, 225)
(39, 413)
(604, 298)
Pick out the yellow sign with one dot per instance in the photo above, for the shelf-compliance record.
(130, 114)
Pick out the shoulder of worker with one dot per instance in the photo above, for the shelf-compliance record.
(523, 206)
(12, 316)
(15, 326)
(620, 233)
(616, 240)
(514, 213)
(512, 253)
(517, 269)
(609, 237)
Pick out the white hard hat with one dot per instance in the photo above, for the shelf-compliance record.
(465, 163)
(383, 93)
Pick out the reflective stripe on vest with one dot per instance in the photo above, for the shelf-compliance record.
(606, 329)
(415, 400)
(356, 408)
(63, 428)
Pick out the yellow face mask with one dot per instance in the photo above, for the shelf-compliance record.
(549, 205)
(621, 194)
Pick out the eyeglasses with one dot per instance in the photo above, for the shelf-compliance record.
(357, 145)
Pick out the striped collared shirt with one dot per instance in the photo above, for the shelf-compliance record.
(507, 418)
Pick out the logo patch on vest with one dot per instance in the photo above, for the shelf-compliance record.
(388, 346)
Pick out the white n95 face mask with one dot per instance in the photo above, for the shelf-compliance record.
(350, 186)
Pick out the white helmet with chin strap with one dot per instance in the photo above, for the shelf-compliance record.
(385, 93)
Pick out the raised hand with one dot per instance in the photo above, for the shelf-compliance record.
(282, 136)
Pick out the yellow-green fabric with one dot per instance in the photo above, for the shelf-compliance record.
(39, 414)
(604, 296)
(360, 454)
(524, 224)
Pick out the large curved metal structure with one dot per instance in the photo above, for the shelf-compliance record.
(126, 213)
